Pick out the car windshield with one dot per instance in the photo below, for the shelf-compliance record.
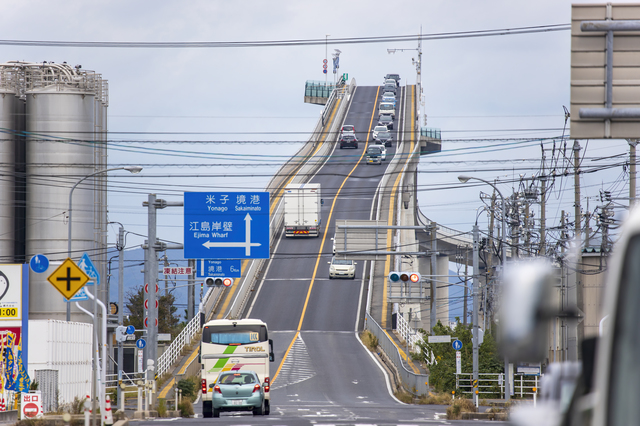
(383, 135)
(236, 378)
(374, 150)
(348, 138)
(388, 94)
(348, 129)
(386, 106)
(380, 128)
(342, 262)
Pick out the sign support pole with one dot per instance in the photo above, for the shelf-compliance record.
(120, 394)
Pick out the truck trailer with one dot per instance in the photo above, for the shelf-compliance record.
(302, 208)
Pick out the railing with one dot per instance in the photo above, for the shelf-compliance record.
(430, 132)
(407, 333)
(129, 379)
(492, 384)
(169, 356)
(414, 383)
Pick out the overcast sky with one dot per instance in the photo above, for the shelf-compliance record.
(474, 88)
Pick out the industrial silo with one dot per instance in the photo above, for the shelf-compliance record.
(11, 166)
(61, 150)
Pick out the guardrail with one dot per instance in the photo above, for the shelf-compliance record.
(492, 384)
(129, 379)
(407, 332)
(417, 384)
(302, 175)
(171, 354)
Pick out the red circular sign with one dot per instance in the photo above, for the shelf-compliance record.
(30, 409)
(146, 322)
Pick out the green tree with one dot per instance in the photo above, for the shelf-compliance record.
(442, 374)
(168, 322)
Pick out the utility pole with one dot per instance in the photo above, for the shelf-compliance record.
(579, 328)
(466, 288)
(632, 171)
(543, 212)
(434, 265)
(191, 290)
(151, 248)
(476, 305)
(120, 310)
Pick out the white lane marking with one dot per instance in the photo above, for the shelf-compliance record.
(297, 367)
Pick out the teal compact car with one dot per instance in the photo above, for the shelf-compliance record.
(238, 390)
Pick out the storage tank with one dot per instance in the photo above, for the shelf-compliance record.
(8, 110)
(61, 150)
(12, 177)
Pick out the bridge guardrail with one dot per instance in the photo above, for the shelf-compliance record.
(415, 383)
(302, 175)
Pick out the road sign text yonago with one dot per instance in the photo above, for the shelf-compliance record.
(226, 225)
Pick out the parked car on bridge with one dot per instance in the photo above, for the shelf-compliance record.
(239, 390)
(395, 77)
(348, 140)
(376, 154)
(342, 268)
(386, 120)
(384, 138)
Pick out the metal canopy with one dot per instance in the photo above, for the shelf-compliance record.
(367, 239)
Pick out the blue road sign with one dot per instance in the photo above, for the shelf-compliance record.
(218, 268)
(131, 329)
(140, 343)
(457, 344)
(87, 266)
(39, 263)
(79, 296)
(226, 225)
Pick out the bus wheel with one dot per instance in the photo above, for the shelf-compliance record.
(206, 408)
(267, 408)
(216, 412)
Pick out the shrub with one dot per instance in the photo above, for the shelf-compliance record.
(403, 396)
(369, 340)
(440, 398)
(189, 387)
(186, 408)
(459, 406)
(162, 408)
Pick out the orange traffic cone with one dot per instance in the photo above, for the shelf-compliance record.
(108, 416)
(87, 410)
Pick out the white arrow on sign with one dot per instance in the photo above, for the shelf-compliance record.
(247, 244)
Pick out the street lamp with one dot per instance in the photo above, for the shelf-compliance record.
(131, 169)
(465, 179)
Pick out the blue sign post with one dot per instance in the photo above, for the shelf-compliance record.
(131, 329)
(141, 343)
(218, 268)
(457, 344)
(226, 225)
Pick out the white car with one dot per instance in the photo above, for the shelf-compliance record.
(342, 268)
(390, 98)
(377, 143)
(379, 129)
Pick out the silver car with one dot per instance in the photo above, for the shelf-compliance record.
(238, 390)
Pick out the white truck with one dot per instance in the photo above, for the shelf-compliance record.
(607, 391)
(302, 210)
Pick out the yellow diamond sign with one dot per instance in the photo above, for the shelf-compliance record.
(68, 278)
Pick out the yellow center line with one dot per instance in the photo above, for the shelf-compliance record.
(324, 236)
(274, 203)
(387, 265)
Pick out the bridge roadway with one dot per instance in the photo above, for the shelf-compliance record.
(322, 374)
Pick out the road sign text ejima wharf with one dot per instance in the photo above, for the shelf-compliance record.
(226, 225)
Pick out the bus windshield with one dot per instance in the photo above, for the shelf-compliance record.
(235, 335)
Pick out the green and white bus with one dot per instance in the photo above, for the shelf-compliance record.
(229, 345)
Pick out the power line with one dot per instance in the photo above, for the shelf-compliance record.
(288, 43)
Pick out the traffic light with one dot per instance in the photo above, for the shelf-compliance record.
(217, 281)
(405, 277)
